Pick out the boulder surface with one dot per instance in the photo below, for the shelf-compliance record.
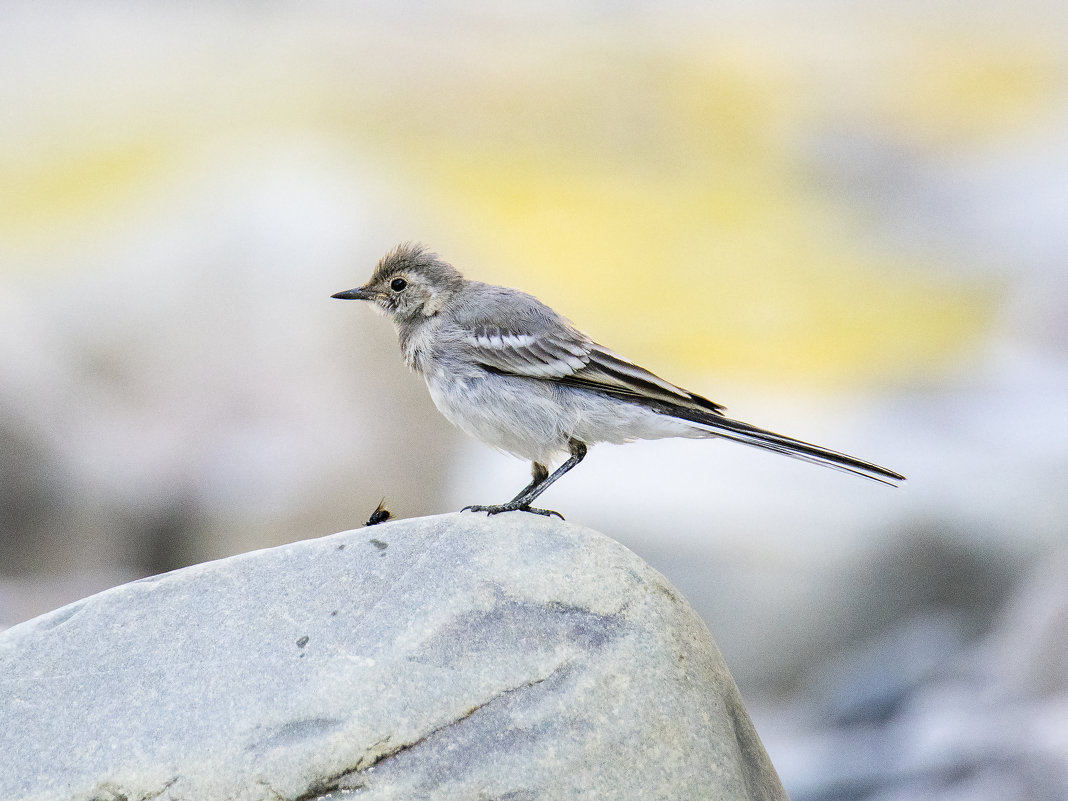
(449, 657)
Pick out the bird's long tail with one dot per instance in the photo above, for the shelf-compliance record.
(747, 434)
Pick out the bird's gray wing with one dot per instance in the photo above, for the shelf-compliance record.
(519, 350)
(611, 373)
(552, 349)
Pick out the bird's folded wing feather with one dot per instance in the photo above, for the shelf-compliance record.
(562, 353)
(543, 355)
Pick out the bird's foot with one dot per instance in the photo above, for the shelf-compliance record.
(496, 509)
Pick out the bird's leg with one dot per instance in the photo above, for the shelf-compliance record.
(541, 482)
(578, 453)
(539, 473)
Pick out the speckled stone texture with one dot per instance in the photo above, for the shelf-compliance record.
(450, 657)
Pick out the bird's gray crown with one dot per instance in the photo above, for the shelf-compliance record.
(412, 257)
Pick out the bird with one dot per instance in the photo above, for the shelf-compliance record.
(510, 371)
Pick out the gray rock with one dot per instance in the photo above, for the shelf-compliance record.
(451, 657)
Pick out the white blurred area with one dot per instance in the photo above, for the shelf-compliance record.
(182, 188)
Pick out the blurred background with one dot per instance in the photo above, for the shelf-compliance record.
(846, 221)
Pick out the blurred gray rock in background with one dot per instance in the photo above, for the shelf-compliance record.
(450, 657)
(930, 708)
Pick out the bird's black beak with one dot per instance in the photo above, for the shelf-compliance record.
(353, 294)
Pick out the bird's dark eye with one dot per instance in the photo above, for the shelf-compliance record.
(397, 284)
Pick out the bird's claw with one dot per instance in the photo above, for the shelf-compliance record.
(496, 509)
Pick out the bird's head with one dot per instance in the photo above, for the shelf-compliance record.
(409, 283)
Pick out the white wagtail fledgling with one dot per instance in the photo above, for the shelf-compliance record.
(510, 371)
